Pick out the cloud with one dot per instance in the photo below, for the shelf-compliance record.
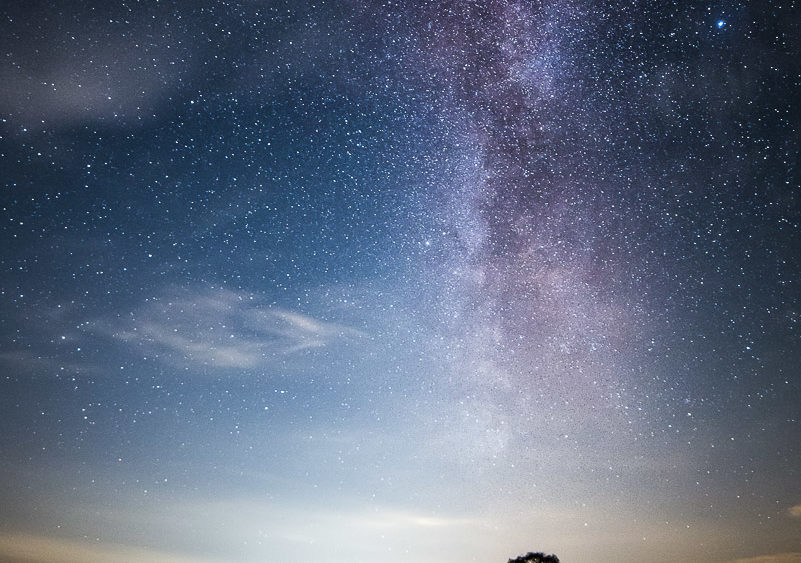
(41, 549)
(226, 329)
(793, 557)
(795, 511)
(252, 529)
(62, 76)
(349, 531)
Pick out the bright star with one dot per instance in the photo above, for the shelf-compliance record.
(721, 23)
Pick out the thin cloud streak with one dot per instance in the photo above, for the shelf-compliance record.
(42, 549)
(226, 329)
(793, 557)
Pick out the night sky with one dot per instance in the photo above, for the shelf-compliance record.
(412, 282)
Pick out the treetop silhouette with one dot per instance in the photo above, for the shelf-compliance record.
(538, 557)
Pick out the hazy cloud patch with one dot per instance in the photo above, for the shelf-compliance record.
(109, 69)
(793, 557)
(226, 329)
(42, 549)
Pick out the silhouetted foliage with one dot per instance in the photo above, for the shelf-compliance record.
(538, 557)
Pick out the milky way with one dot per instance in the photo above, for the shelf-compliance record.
(415, 281)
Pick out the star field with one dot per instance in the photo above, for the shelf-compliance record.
(410, 281)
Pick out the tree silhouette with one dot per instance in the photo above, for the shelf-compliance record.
(538, 557)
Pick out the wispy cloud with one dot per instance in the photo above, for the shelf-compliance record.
(93, 81)
(793, 557)
(43, 549)
(225, 329)
(348, 531)
(182, 530)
